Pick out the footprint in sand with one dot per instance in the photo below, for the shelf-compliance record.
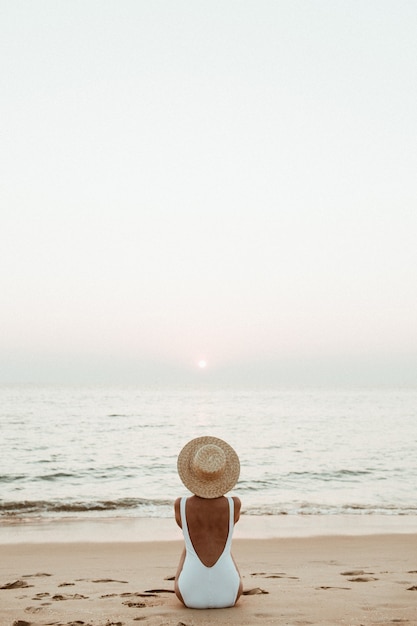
(33, 609)
(76, 623)
(253, 592)
(76, 596)
(329, 587)
(274, 575)
(359, 576)
(135, 605)
(40, 596)
(16, 584)
(109, 580)
(148, 594)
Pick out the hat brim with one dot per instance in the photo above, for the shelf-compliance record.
(208, 488)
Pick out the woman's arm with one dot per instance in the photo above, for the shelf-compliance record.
(238, 504)
(178, 511)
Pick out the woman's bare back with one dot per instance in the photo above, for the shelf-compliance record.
(208, 525)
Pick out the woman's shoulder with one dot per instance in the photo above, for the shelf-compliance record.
(177, 509)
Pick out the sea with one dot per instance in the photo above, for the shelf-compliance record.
(111, 451)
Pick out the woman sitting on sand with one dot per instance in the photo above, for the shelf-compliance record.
(207, 575)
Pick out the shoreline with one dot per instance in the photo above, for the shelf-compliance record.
(141, 529)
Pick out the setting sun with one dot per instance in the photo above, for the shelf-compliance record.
(202, 364)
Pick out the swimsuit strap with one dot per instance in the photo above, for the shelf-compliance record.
(184, 523)
(231, 521)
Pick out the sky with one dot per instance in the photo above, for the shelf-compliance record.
(231, 181)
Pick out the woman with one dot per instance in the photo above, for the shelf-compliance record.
(207, 576)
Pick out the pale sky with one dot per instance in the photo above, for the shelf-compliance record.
(232, 181)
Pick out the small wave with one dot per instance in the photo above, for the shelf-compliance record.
(131, 415)
(335, 473)
(37, 507)
(256, 485)
(56, 476)
(343, 475)
(11, 478)
(314, 508)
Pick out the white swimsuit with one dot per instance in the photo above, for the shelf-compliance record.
(205, 587)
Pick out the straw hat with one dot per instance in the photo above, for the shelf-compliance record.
(208, 467)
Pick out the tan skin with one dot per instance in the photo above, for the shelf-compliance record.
(208, 526)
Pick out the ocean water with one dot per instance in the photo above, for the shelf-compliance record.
(85, 452)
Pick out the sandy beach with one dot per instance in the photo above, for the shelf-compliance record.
(351, 580)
